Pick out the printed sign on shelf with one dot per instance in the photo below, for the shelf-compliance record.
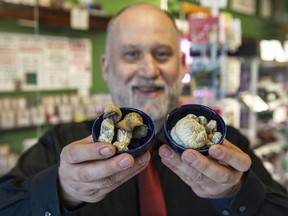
(29, 62)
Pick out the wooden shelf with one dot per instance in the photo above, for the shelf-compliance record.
(47, 16)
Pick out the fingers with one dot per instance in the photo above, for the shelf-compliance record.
(189, 166)
(139, 164)
(88, 170)
(86, 161)
(225, 153)
(172, 160)
(231, 155)
(97, 190)
(212, 169)
(86, 150)
(226, 165)
(96, 170)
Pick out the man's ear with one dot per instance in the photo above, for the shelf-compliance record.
(104, 67)
(183, 60)
(183, 64)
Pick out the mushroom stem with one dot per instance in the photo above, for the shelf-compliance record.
(131, 126)
(106, 130)
(112, 114)
(123, 139)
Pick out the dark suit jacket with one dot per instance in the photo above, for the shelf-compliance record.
(31, 187)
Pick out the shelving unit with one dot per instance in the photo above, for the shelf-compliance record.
(47, 16)
(51, 21)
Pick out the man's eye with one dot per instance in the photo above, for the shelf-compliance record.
(131, 55)
(162, 55)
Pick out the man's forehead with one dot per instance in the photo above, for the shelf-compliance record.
(151, 40)
(129, 45)
(144, 29)
(142, 24)
(141, 9)
(142, 12)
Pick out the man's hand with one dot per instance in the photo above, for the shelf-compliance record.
(88, 172)
(215, 176)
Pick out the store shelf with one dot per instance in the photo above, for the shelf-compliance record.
(47, 16)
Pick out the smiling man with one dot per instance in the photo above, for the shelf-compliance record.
(67, 173)
(142, 62)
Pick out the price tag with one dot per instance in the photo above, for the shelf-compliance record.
(213, 3)
(79, 19)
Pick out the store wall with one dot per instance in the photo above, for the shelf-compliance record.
(15, 137)
(97, 38)
(111, 7)
(259, 27)
(253, 27)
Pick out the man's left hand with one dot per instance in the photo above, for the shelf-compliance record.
(217, 175)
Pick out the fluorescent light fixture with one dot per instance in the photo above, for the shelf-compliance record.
(280, 55)
(271, 50)
(266, 50)
(254, 102)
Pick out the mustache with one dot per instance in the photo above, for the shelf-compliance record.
(145, 82)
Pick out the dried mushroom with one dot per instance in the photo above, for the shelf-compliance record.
(123, 140)
(106, 131)
(140, 131)
(126, 128)
(131, 126)
(112, 114)
(195, 132)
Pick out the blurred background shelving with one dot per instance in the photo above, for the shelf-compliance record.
(225, 68)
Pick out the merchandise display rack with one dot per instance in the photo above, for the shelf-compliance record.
(47, 16)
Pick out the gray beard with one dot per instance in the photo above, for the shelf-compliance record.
(156, 108)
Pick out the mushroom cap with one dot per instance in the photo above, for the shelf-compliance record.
(211, 126)
(191, 133)
(112, 111)
(140, 131)
(130, 121)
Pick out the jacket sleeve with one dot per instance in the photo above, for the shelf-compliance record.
(31, 186)
(259, 194)
(30, 190)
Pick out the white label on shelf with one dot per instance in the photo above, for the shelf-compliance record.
(79, 19)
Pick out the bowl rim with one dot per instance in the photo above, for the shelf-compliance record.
(176, 109)
(147, 119)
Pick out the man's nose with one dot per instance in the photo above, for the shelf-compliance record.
(149, 67)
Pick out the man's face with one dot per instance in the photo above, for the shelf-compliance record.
(143, 69)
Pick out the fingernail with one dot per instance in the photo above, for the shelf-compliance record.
(216, 152)
(125, 163)
(106, 151)
(167, 153)
(190, 158)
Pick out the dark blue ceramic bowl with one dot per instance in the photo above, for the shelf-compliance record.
(136, 147)
(176, 114)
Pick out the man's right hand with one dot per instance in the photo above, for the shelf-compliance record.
(89, 171)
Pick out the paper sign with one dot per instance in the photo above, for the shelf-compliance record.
(79, 19)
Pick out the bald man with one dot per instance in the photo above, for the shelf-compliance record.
(66, 173)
